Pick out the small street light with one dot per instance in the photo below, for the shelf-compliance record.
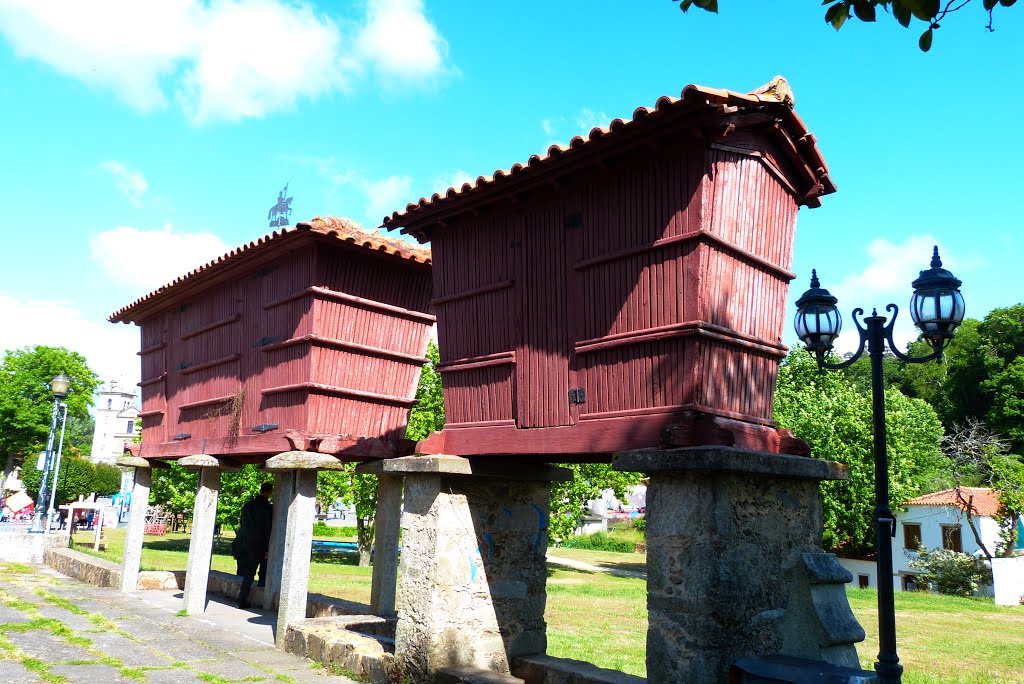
(59, 387)
(937, 308)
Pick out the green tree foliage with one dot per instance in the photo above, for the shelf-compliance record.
(569, 499)
(75, 479)
(356, 490)
(78, 435)
(235, 490)
(174, 488)
(919, 13)
(950, 572)
(25, 399)
(107, 479)
(427, 414)
(827, 411)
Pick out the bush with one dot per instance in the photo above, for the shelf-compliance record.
(74, 479)
(107, 480)
(599, 541)
(951, 572)
(640, 525)
(322, 529)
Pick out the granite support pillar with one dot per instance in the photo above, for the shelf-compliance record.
(283, 486)
(298, 545)
(473, 572)
(734, 562)
(386, 533)
(200, 548)
(136, 528)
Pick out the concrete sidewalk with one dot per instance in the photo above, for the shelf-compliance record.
(56, 629)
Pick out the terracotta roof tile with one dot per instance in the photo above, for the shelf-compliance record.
(983, 500)
(340, 229)
(776, 95)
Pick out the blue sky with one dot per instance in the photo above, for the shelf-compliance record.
(142, 139)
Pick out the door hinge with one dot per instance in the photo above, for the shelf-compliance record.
(577, 395)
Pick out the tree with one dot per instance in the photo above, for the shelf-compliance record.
(75, 479)
(235, 490)
(980, 457)
(357, 490)
(427, 415)
(25, 399)
(904, 12)
(827, 411)
(107, 479)
(569, 499)
(174, 488)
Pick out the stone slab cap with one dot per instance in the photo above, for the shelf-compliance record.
(443, 464)
(138, 462)
(824, 568)
(728, 459)
(206, 461)
(302, 460)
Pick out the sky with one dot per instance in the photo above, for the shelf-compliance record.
(142, 139)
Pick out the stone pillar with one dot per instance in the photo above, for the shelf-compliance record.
(136, 524)
(204, 517)
(734, 562)
(283, 486)
(387, 526)
(302, 467)
(473, 573)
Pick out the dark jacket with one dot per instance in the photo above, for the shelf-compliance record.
(254, 526)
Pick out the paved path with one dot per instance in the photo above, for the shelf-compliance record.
(587, 567)
(59, 630)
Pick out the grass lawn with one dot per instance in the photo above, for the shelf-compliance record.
(603, 619)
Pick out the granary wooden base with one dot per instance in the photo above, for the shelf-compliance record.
(473, 566)
(605, 436)
(734, 562)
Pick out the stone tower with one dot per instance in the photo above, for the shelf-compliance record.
(115, 421)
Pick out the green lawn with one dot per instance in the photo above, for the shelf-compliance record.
(603, 619)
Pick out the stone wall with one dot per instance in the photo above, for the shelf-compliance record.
(89, 569)
(22, 546)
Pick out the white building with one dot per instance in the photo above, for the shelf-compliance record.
(934, 521)
(115, 421)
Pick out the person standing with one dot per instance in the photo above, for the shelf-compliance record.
(254, 540)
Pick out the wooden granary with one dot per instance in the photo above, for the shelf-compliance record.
(310, 338)
(627, 290)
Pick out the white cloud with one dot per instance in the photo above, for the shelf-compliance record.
(399, 42)
(224, 59)
(109, 349)
(886, 279)
(386, 195)
(147, 259)
(456, 179)
(588, 120)
(132, 183)
(548, 126)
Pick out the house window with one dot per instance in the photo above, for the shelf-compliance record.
(911, 536)
(863, 581)
(110, 402)
(131, 426)
(910, 583)
(951, 539)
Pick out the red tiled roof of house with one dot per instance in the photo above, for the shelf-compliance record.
(775, 96)
(983, 500)
(340, 229)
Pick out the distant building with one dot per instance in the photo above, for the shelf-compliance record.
(115, 421)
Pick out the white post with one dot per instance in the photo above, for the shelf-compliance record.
(200, 548)
(297, 548)
(136, 529)
(98, 519)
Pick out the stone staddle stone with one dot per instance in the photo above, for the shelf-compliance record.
(730, 536)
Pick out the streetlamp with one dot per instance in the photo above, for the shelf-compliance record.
(59, 386)
(937, 308)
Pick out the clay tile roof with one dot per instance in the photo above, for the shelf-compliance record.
(983, 500)
(776, 95)
(325, 227)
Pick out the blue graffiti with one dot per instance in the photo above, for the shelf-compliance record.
(542, 525)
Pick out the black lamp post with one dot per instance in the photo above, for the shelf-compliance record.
(937, 308)
(59, 386)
